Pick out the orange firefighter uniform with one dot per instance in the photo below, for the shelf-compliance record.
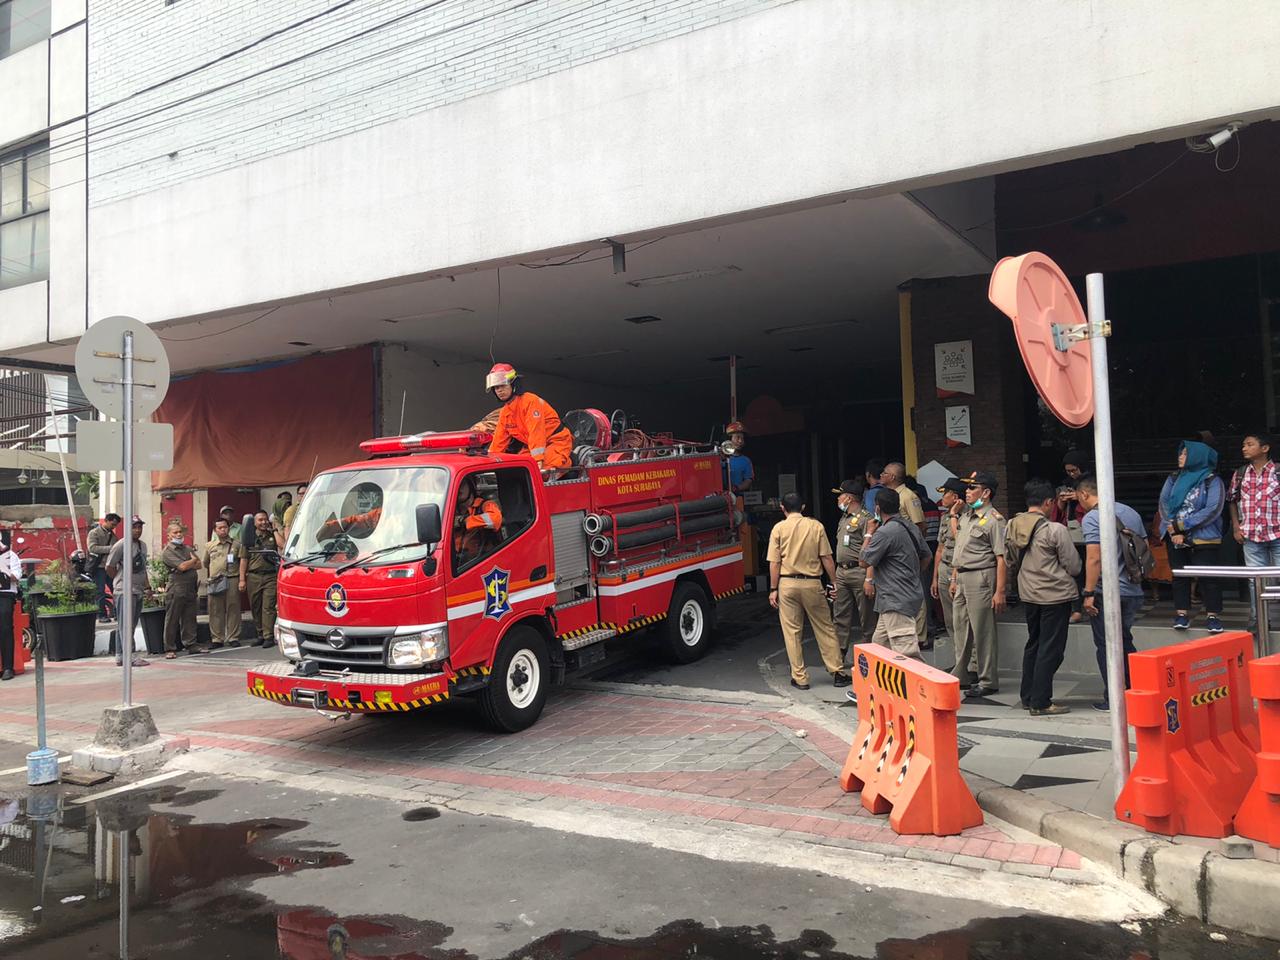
(477, 526)
(534, 423)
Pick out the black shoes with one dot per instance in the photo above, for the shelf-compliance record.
(800, 686)
(839, 679)
(7, 675)
(1052, 710)
(978, 691)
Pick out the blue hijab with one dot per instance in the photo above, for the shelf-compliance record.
(1202, 460)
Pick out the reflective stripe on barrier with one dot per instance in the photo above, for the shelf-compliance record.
(1259, 815)
(905, 755)
(1197, 736)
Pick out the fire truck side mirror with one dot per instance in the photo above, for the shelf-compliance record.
(427, 516)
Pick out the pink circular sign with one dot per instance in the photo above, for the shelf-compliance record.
(1034, 293)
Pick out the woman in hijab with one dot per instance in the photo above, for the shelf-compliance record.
(1190, 521)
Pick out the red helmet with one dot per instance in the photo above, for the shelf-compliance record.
(499, 374)
(735, 427)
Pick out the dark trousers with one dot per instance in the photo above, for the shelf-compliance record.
(1046, 643)
(179, 620)
(100, 581)
(1206, 554)
(1130, 607)
(7, 601)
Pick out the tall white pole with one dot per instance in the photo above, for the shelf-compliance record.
(1110, 545)
(124, 603)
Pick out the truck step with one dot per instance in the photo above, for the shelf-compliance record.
(586, 639)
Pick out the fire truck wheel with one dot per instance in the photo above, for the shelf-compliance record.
(686, 633)
(517, 688)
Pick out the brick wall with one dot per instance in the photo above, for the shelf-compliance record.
(956, 308)
(453, 50)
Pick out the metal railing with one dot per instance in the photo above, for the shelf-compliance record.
(1262, 594)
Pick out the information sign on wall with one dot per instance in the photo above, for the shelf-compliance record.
(953, 368)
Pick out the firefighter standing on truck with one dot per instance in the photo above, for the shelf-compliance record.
(527, 422)
(477, 523)
(258, 575)
(798, 553)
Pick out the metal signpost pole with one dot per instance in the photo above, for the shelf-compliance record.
(1110, 545)
(122, 842)
(124, 604)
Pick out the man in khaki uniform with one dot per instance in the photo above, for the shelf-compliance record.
(258, 575)
(978, 586)
(952, 502)
(222, 584)
(850, 575)
(180, 596)
(798, 553)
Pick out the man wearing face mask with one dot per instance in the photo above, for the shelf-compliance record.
(180, 595)
(978, 586)
(852, 528)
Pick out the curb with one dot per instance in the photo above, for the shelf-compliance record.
(1192, 880)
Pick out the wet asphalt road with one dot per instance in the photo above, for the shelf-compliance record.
(235, 869)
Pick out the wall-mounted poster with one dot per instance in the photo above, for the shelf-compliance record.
(953, 368)
(959, 433)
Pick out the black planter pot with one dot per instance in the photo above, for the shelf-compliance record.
(152, 620)
(68, 636)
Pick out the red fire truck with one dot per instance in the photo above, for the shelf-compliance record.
(386, 604)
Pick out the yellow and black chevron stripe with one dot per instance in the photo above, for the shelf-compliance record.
(641, 622)
(365, 705)
(471, 672)
(1209, 696)
(732, 593)
(911, 748)
(583, 631)
(891, 678)
(871, 718)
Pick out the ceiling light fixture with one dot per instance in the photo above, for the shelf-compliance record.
(430, 315)
(646, 318)
(681, 277)
(44, 477)
(22, 477)
(806, 327)
(593, 355)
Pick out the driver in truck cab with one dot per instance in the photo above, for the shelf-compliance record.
(476, 523)
(527, 422)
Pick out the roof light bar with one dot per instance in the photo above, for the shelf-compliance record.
(418, 442)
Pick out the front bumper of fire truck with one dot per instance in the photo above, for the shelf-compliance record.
(347, 691)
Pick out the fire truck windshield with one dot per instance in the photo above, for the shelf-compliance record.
(354, 513)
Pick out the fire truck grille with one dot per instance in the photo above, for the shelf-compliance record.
(358, 655)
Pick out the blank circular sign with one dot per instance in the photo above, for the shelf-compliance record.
(99, 367)
(1033, 292)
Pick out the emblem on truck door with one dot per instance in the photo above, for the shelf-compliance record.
(497, 593)
(336, 600)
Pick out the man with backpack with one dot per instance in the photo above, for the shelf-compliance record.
(1135, 563)
(1040, 554)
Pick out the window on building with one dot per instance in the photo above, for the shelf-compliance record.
(505, 512)
(24, 216)
(22, 23)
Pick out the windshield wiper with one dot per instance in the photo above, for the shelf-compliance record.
(362, 561)
(313, 555)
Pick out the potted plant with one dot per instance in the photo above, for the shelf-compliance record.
(67, 615)
(152, 616)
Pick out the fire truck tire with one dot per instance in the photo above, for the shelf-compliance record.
(518, 683)
(685, 634)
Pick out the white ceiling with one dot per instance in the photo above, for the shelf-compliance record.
(837, 262)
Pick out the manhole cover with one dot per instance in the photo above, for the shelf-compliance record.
(420, 813)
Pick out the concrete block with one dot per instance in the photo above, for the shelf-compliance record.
(932, 856)
(123, 727)
(1014, 806)
(139, 759)
(974, 863)
(1099, 840)
(1242, 894)
(1178, 877)
(1138, 867)
(1236, 848)
(1028, 869)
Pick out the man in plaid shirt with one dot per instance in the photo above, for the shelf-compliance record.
(1254, 496)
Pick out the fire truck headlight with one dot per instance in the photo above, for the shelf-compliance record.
(288, 642)
(416, 650)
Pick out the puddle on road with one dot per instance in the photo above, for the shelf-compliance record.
(188, 899)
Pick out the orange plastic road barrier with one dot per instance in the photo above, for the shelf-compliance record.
(21, 624)
(1259, 815)
(905, 756)
(1197, 736)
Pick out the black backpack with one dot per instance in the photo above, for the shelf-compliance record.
(1136, 552)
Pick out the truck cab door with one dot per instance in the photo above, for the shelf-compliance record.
(497, 571)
